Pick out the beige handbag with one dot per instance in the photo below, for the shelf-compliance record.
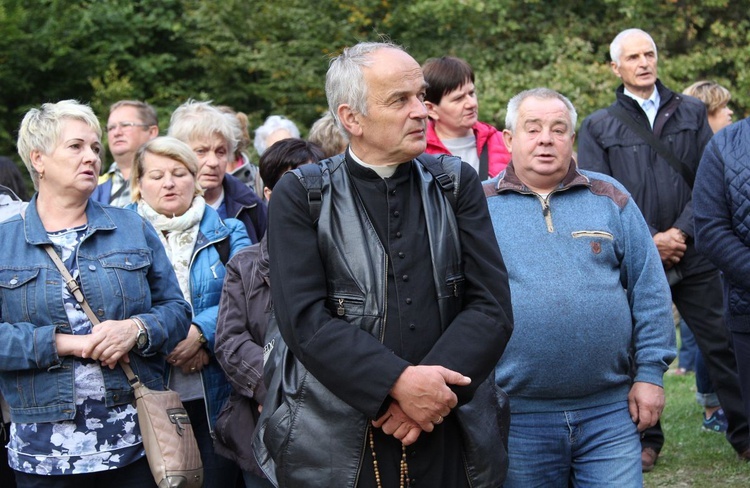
(168, 438)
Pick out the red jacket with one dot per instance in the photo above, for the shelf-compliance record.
(499, 157)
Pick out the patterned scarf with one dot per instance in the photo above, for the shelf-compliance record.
(178, 234)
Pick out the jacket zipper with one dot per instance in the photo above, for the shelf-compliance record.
(547, 212)
(211, 431)
(385, 306)
(453, 282)
(341, 300)
(362, 453)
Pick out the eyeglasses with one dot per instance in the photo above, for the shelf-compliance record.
(124, 126)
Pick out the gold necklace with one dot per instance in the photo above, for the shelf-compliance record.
(404, 468)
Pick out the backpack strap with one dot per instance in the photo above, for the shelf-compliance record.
(311, 177)
(446, 170)
(222, 247)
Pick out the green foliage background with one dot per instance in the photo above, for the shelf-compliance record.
(271, 57)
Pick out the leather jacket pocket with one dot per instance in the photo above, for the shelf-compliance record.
(343, 305)
(455, 285)
(277, 432)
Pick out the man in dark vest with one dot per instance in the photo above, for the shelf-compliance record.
(395, 300)
(651, 140)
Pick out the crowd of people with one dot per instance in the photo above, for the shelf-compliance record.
(427, 300)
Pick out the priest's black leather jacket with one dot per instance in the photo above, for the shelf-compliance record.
(310, 436)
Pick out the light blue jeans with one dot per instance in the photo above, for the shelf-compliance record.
(591, 447)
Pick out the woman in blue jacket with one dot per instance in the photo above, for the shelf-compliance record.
(73, 418)
(165, 187)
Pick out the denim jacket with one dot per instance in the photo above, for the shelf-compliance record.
(124, 272)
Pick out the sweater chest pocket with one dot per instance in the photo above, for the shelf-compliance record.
(127, 274)
(596, 243)
(17, 294)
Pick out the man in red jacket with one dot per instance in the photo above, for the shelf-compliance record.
(454, 127)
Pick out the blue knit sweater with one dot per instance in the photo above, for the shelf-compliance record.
(589, 293)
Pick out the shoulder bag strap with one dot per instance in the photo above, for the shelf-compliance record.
(75, 290)
(484, 162)
(682, 169)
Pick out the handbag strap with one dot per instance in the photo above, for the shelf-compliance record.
(75, 290)
(682, 169)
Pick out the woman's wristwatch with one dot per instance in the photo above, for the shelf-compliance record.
(141, 338)
(201, 338)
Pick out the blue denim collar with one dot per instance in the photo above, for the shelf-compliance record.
(35, 233)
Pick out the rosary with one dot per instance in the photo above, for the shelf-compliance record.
(404, 469)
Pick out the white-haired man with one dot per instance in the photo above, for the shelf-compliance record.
(651, 140)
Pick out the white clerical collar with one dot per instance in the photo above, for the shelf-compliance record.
(654, 97)
(382, 171)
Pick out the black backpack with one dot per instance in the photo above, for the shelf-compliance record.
(446, 169)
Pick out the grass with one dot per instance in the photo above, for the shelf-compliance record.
(691, 457)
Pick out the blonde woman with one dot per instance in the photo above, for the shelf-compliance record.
(73, 417)
(164, 186)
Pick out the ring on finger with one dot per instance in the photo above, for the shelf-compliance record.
(439, 420)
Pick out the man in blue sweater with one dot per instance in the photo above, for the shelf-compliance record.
(593, 320)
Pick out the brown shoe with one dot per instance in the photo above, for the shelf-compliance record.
(648, 459)
(744, 455)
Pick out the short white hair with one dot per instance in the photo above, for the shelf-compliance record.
(271, 125)
(615, 49)
(42, 127)
(195, 120)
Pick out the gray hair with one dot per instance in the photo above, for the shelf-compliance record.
(200, 120)
(345, 80)
(271, 125)
(511, 117)
(42, 127)
(615, 49)
(326, 134)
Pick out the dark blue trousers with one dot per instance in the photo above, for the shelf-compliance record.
(700, 300)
